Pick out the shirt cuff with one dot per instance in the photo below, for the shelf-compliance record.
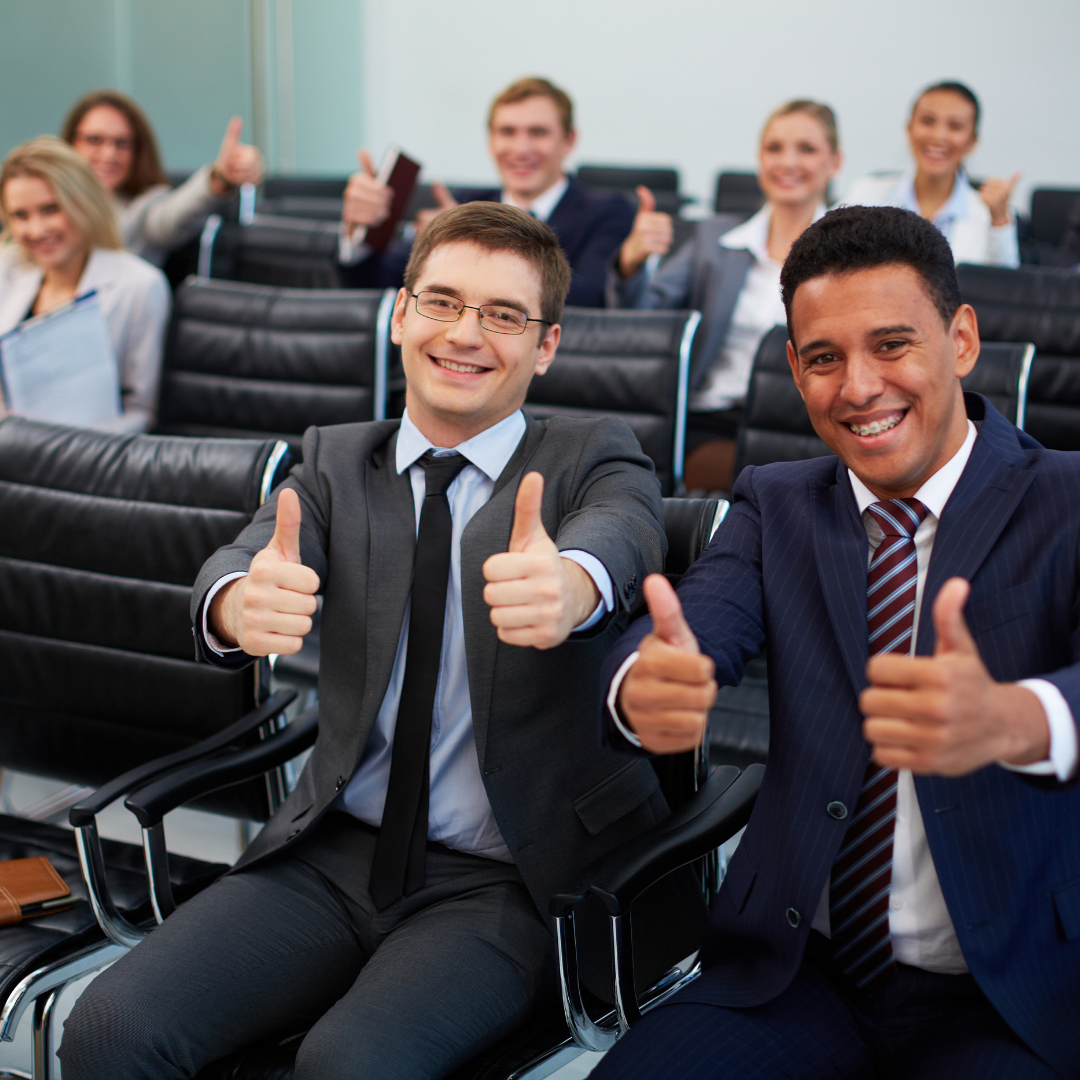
(350, 251)
(209, 640)
(613, 698)
(601, 579)
(1062, 760)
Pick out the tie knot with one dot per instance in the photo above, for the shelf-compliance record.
(440, 471)
(898, 517)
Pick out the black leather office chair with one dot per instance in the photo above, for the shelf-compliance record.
(623, 179)
(100, 539)
(629, 364)
(1040, 305)
(738, 193)
(255, 361)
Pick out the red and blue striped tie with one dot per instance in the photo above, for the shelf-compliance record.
(862, 873)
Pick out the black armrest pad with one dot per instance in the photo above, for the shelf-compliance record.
(719, 809)
(84, 812)
(151, 802)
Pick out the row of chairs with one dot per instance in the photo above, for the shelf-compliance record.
(102, 536)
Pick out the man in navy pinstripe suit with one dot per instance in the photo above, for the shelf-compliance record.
(945, 722)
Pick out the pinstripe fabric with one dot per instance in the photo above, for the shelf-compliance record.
(862, 872)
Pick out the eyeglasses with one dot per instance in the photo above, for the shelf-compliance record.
(494, 317)
(98, 141)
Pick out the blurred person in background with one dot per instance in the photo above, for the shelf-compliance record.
(110, 130)
(530, 134)
(942, 131)
(61, 240)
(730, 272)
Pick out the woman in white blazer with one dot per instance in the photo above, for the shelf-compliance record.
(60, 240)
(942, 131)
(110, 130)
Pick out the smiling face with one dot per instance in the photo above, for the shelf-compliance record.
(879, 371)
(795, 161)
(40, 226)
(529, 146)
(461, 379)
(941, 132)
(105, 138)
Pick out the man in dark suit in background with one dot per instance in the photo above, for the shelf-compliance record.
(530, 135)
(905, 901)
(475, 566)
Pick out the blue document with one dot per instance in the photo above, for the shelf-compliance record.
(60, 367)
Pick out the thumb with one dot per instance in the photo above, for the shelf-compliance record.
(366, 164)
(286, 538)
(232, 135)
(667, 615)
(646, 200)
(950, 628)
(528, 526)
(442, 195)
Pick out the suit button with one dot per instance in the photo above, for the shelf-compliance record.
(629, 589)
(793, 918)
(836, 810)
(292, 836)
(339, 783)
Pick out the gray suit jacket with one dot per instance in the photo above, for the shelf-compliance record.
(560, 800)
(702, 274)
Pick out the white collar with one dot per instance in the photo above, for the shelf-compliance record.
(489, 451)
(543, 206)
(753, 234)
(955, 206)
(934, 494)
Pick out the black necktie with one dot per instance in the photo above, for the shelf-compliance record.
(398, 866)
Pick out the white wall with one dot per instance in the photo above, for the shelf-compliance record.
(688, 82)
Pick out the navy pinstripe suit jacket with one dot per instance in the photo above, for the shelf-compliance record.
(787, 572)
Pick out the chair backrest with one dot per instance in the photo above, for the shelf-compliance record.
(1040, 305)
(101, 537)
(304, 187)
(293, 252)
(738, 193)
(1050, 210)
(689, 525)
(663, 183)
(248, 360)
(1001, 374)
(629, 364)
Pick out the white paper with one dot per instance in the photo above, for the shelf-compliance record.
(60, 367)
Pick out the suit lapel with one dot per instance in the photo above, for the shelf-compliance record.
(730, 270)
(841, 553)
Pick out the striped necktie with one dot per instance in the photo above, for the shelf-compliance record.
(862, 873)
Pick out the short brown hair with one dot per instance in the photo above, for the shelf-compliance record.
(536, 87)
(498, 227)
(78, 191)
(146, 168)
(821, 113)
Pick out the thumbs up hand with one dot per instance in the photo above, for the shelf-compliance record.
(996, 194)
(945, 714)
(668, 692)
(269, 610)
(236, 162)
(652, 234)
(443, 200)
(367, 201)
(536, 596)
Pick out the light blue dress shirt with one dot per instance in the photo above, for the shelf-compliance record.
(459, 814)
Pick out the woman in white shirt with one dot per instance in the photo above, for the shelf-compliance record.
(942, 131)
(114, 135)
(60, 240)
(731, 273)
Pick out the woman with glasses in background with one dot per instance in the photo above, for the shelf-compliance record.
(60, 240)
(114, 135)
(730, 272)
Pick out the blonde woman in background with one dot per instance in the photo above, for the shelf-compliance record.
(61, 240)
(110, 130)
(730, 272)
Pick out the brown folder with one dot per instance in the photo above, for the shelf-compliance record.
(30, 887)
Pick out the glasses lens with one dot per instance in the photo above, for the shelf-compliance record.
(503, 320)
(438, 306)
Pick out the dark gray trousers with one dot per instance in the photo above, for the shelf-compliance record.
(409, 992)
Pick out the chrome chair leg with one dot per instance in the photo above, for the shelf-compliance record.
(41, 1041)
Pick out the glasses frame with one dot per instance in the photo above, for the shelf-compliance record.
(124, 146)
(479, 315)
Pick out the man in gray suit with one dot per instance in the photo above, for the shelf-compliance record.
(407, 950)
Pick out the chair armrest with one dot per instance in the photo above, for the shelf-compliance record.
(152, 801)
(84, 812)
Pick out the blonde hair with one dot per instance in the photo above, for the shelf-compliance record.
(821, 113)
(78, 191)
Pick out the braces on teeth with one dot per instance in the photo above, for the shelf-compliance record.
(875, 427)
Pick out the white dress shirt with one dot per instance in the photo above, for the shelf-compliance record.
(758, 309)
(543, 206)
(459, 814)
